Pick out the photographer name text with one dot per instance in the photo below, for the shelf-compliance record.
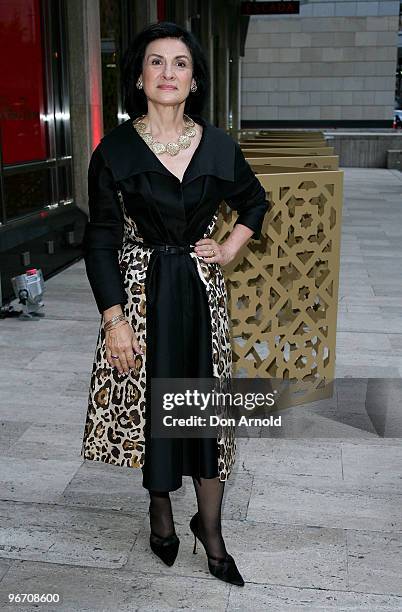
(216, 421)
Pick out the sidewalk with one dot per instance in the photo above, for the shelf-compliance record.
(314, 524)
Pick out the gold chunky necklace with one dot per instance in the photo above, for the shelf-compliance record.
(183, 142)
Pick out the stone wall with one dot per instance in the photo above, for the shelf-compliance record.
(336, 60)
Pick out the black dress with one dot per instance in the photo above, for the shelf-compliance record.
(178, 345)
(167, 211)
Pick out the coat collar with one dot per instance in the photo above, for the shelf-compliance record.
(127, 154)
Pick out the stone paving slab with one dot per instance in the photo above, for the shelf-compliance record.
(109, 487)
(35, 480)
(66, 535)
(44, 441)
(294, 457)
(10, 432)
(380, 466)
(375, 561)
(44, 334)
(278, 598)
(300, 422)
(42, 407)
(323, 502)
(4, 567)
(86, 589)
(361, 343)
(17, 358)
(62, 361)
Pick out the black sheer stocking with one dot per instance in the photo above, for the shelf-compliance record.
(209, 493)
(160, 514)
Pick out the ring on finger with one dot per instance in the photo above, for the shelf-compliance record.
(115, 356)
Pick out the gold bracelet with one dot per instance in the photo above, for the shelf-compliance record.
(109, 325)
(118, 317)
(115, 326)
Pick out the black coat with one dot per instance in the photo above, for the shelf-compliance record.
(164, 209)
(175, 303)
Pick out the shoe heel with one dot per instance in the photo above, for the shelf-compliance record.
(195, 545)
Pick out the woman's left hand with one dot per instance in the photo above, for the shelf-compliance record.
(212, 252)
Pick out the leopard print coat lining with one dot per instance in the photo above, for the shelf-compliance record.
(115, 421)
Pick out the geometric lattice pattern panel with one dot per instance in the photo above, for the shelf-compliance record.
(283, 290)
(270, 151)
(327, 162)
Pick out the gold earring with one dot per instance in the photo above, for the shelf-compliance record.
(139, 83)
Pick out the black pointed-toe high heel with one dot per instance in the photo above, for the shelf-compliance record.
(166, 548)
(225, 569)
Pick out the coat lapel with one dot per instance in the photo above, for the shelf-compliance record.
(127, 154)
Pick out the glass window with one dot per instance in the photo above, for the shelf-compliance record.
(22, 84)
(27, 192)
(34, 105)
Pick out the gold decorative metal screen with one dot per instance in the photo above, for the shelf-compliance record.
(283, 289)
(329, 162)
(273, 150)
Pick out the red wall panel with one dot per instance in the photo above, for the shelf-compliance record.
(22, 86)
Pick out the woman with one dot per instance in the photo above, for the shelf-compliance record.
(155, 183)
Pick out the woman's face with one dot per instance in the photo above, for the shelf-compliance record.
(167, 71)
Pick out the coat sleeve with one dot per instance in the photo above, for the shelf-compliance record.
(247, 196)
(103, 236)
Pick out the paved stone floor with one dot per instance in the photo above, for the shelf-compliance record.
(314, 522)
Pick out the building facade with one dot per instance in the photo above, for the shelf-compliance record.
(332, 65)
(61, 91)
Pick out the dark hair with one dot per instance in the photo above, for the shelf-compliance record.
(134, 100)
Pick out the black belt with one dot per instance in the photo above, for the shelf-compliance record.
(166, 248)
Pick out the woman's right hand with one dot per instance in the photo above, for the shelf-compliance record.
(122, 341)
